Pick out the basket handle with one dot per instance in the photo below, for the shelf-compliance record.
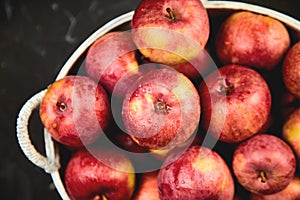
(49, 163)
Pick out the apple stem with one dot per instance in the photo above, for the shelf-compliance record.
(172, 16)
(225, 86)
(262, 175)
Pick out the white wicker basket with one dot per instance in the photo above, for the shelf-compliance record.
(50, 163)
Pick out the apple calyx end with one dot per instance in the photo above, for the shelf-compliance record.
(61, 106)
(262, 176)
(161, 107)
(171, 15)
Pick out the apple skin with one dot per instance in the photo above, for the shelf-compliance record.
(264, 164)
(268, 125)
(198, 173)
(163, 39)
(147, 188)
(161, 110)
(188, 70)
(232, 88)
(196, 138)
(87, 177)
(127, 143)
(196, 68)
(291, 192)
(110, 58)
(252, 39)
(75, 110)
(120, 89)
(291, 131)
(291, 69)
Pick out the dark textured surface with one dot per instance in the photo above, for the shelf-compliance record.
(36, 38)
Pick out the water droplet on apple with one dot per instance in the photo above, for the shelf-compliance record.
(110, 71)
(130, 113)
(177, 187)
(92, 163)
(182, 182)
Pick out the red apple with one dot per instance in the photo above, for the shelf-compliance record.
(170, 31)
(105, 174)
(198, 173)
(110, 58)
(161, 110)
(291, 192)
(120, 89)
(291, 131)
(291, 69)
(236, 103)
(147, 188)
(75, 110)
(252, 39)
(264, 164)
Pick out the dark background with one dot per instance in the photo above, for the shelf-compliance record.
(36, 38)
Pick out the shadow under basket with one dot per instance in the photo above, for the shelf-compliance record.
(218, 11)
